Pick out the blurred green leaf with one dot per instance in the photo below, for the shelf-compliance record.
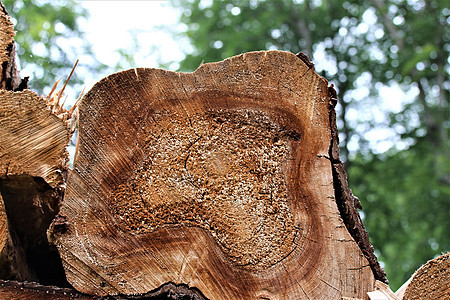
(420, 56)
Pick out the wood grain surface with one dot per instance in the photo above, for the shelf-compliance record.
(431, 281)
(222, 179)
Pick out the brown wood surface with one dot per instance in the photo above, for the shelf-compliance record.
(382, 292)
(7, 33)
(431, 281)
(33, 167)
(14, 290)
(224, 179)
(32, 139)
(27, 159)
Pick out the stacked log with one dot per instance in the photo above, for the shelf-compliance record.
(224, 183)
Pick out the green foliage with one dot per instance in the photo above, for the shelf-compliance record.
(406, 206)
(416, 50)
(361, 46)
(48, 40)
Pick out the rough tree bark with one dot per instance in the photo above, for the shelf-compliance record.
(9, 75)
(13, 290)
(227, 179)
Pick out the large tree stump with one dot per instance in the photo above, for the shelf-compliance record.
(227, 179)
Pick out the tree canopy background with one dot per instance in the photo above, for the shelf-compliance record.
(395, 145)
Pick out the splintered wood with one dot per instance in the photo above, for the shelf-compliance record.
(221, 179)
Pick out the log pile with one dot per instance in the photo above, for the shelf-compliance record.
(431, 281)
(224, 183)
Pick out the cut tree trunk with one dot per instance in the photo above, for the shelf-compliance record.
(431, 281)
(227, 180)
(33, 164)
(32, 153)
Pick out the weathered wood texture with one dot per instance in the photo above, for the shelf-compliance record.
(9, 75)
(30, 173)
(431, 281)
(224, 179)
(6, 61)
(32, 139)
(33, 164)
(14, 290)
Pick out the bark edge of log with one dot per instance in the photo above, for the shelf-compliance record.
(348, 203)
